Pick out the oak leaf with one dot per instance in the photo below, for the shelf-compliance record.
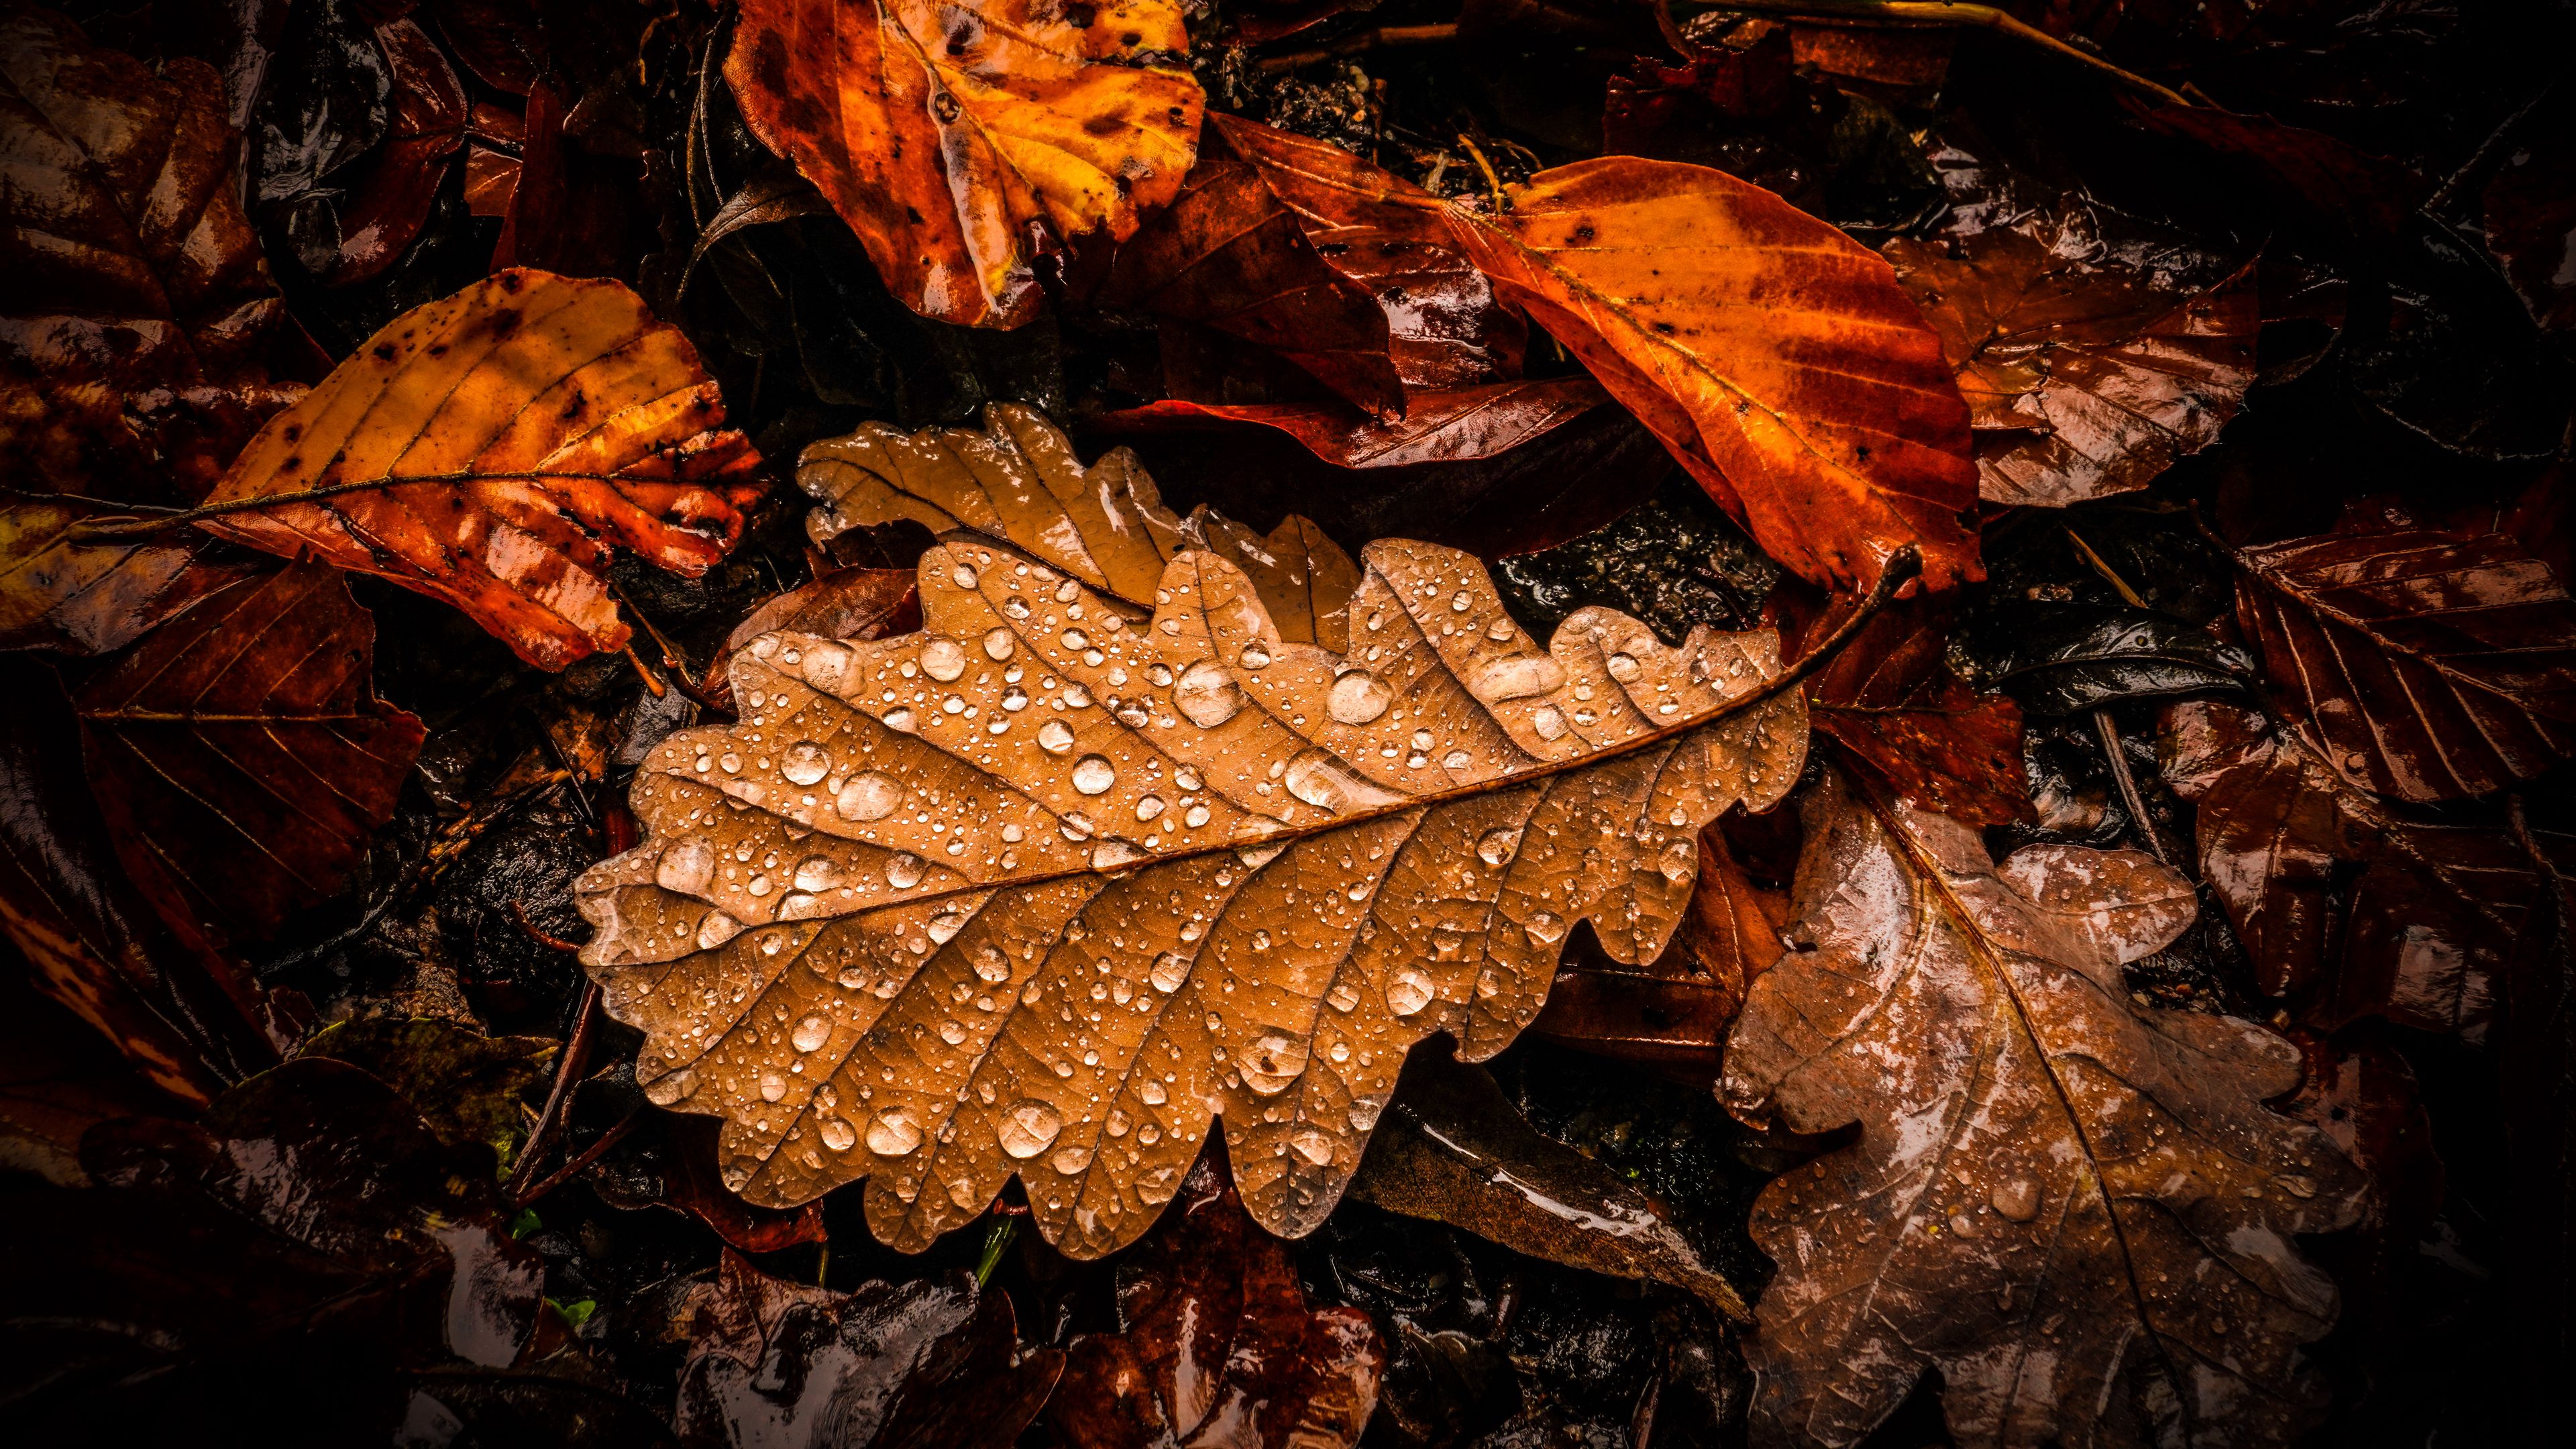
(489, 448)
(2430, 665)
(945, 134)
(2089, 367)
(2079, 1213)
(1049, 885)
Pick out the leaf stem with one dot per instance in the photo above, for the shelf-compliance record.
(2129, 796)
(1940, 12)
(576, 1055)
(126, 527)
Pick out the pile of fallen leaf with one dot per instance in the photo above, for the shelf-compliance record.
(1287, 722)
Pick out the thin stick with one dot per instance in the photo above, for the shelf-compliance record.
(1938, 12)
(2129, 795)
(550, 942)
(2478, 159)
(120, 528)
(1384, 35)
(651, 681)
(576, 1055)
(589, 1155)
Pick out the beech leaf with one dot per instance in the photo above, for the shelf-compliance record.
(1437, 427)
(1047, 886)
(83, 596)
(943, 134)
(488, 449)
(2078, 1212)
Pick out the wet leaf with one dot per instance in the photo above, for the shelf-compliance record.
(1162, 836)
(689, 1185)
(846, 603)
(945, 134)
(1462, 424)
(467, 1087)
(490, 448)
(57, 1079)
(130, 348)
(928, 1364)
(2090, 361)
(240, 754)
(1901, 713)
(1216, 1345)
(2529, 210)
(425, 130)
(1106, 525)
(2045, 1176)
(2066, 658)
(2430, 665)
(1454, 1150)
(2362, 1095)
(59, 591)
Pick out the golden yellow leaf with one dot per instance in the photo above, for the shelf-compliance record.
(944, 134)
(1106, 525)
(1047, 887)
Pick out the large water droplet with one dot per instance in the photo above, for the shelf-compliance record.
(811, 1033)
(998, 643)
(1206, 694)
(1028, 1127)
(892, 1132)
(1149, 807)
(1343, 997)
(1622, 667)
(1255, 655)
(2017, 1200)
(1679, 862)
(837, 1134)
(1318, 779)
(717, 929)
(1170, 970)
(1362, 1115)
(963, 575)
(1358, 697)
(818, 873)
(1093, 774)
(1111, 854)
(1312, 1145)
(1408, 991)
(1154, 1096)
(805, 762)
(1545, 929)
(826, 667)
(991, 966)
(772, 1086)
(1517, 676)
(1549, 721)
(1070, 1159)
(870, 796)
(686, 866)
(1274, 1061)
(672, 1088)
(904, 872)
(1055, 737)
(943, 659)
(1498, 847)
(899, 719)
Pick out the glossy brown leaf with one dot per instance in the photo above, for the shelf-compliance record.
(138, 303)
(1175, 865)
(1106, 525)
(2529, 208)
(489, 449)
(943, 134)
(843, 603)
(932, 1364)
(240, 753)
(2088, 367)
(1216, 1346)
(61, 591)
(2431, 666)
(2078, 1212)
(1904, 716)
(428, 128)
(1437, 427)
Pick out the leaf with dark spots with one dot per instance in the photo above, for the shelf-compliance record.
(2043, 1173)
(1457, 425)
(131, 342)
(930, 1364)
(2065, 658)
(312, 1218)
(60, 591)
(2430, 665)
(2529, 211)
(188, 1020)
(467, 1087)
(1454, 1150)
(1216, 1344)
(241, 756)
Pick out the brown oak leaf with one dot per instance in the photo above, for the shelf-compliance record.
(2077, 1211)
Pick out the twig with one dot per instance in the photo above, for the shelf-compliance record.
(652, 681)
(122, 528)
(561, 1175)
(2109, 574)
(1384, 35)
(576, 1055)
(550, 942)
(1495, 183)
(1938, 12)
(2128, 783)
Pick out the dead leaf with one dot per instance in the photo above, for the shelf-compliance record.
(1216, 1347)
(130, 346)
(465, 1085)
(2079, 1213)
(391, 202)
(1437, 427)
(1455, 1150)
(2089, 367)
(1905, 717)
(240, 755)
(946, 134)
(488, 449)
(2360, 1093)
(1058, 935)
(2430, 666)
(2529, 211)
(57, 1079)
(60, 591)
(1106, 525)
(931, 1364)
(844, 603)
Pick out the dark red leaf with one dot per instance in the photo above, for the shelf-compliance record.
(2530, 211)
(428, 126)
(1457, 425)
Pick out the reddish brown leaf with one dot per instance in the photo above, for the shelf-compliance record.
(2077, 1211)
(944, 134)
(1452, 426)
(490, 448)
(2328, 179)
(1216, 1346)
(57, 1078)
(2429, 665)
(2361, 1095)
(1900, 64)
(845, 603)
(689, 1185)
(931, 1364)
(1903, 716)
(401, 185)
(240, 753)
(2529, 208)
(130, 344)
(59, 591)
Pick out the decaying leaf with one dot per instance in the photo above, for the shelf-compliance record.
(1049, 885)
(945, 134)
(843, 603)
(1437, 427)
(1216, 1346)
(1903, 715)
(2089, 367)
(465, 1086)
(490, 448)
(60, 591)
(2430, 665)
(138, 300)
(1106, 525)
(2529, 211)
(2080, 1213)
(934, 1364)
(241, 756)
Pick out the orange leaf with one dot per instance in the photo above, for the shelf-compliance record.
(944, 134)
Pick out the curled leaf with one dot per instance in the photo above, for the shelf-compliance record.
(1437, 427)
(1048, 886)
